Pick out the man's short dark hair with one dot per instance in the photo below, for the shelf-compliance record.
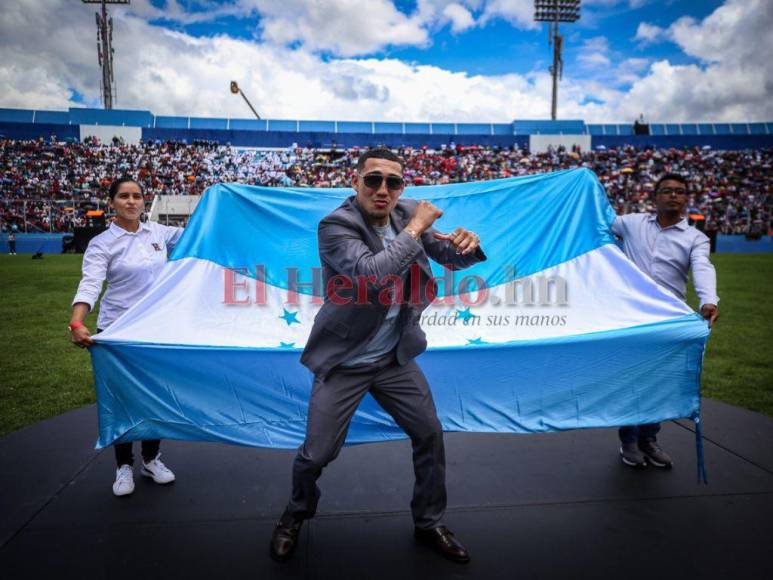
(380, 153)
(670, 177)
(118, 183)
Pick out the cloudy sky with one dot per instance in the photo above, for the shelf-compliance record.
(418, 60)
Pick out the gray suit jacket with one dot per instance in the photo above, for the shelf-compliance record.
(350, 248)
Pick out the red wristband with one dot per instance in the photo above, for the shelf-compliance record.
(73, 325)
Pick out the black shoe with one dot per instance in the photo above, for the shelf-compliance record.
(655, 455)
(632, 456)
(284, 540)
(442, 540)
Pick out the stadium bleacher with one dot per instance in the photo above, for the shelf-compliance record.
(48, 186)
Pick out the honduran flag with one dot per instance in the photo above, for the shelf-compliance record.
(556, 330)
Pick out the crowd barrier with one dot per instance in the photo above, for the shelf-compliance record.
(32, 243)
(740, 245)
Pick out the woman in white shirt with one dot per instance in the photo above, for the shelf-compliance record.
(129, 255)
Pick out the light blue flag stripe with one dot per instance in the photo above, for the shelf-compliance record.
(560, 216)
(258, 397)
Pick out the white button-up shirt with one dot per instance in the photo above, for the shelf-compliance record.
(129, 261)
(667, 254)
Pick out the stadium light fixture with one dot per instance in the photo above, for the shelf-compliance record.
(553, 12)
(237, 91)
(105, 50)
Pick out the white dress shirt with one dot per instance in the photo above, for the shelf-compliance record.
(129, 261)
(667, 254)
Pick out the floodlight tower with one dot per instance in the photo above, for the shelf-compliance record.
(105, 49)
(553, 12)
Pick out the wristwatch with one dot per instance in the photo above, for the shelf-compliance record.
(413, 233)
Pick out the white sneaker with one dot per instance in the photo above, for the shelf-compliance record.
(157, 470)
(124, 481)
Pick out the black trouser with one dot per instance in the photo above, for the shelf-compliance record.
(123, 451)
(638, 433)
(124, 455)
(404, 393)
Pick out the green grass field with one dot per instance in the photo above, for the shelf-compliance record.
(42, 374)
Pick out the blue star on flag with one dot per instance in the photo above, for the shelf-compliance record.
(290, 317)
(465, 315)
(286, 344)
(475, 341)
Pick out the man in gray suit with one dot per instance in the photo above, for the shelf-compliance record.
(373, 250)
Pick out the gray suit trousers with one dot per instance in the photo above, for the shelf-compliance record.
(404, 393)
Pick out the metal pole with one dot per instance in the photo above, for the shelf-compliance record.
(249, 104)
(24, 209)
(108, 59)
(235, 89)
(554, 70)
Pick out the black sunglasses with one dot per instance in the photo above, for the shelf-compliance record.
(670, 190)
(374, 181)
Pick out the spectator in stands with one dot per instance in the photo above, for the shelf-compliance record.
(36, 177)
(664, 247)
(129, 255)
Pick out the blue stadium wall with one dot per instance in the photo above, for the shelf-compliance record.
(278, 133)
(324, 139)
(280, 139)
(26, 131)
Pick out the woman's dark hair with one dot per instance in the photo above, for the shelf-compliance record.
(111, 193)
(671, 177)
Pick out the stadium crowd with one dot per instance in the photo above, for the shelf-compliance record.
(50, 185)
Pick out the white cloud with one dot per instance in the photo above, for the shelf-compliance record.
(736, 80)
(594, 53)
(344, 27)
(461, 19)
(519, 13)
(48, 51)
(348, 27)
(738, 32)
(173, 73)
(649, 33)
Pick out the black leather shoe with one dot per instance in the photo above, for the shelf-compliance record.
(284, 540)
(442, 540)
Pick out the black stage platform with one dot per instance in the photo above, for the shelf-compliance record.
(557, 505)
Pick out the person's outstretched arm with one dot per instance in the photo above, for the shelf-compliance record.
(704, 279)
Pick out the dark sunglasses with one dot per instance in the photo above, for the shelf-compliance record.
(374, 181)
(670, 190)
